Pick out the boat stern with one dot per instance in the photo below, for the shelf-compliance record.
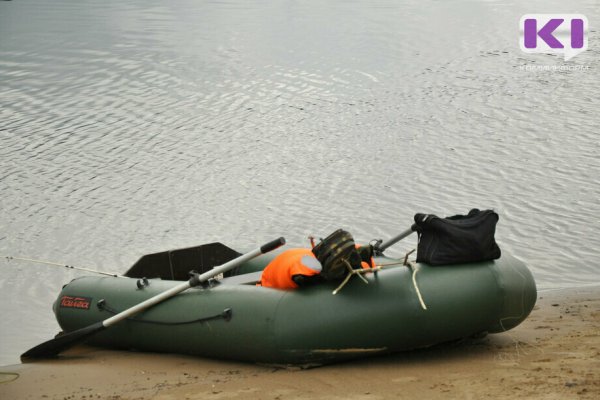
(518, 293)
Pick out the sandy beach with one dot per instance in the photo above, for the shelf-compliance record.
(554, 354)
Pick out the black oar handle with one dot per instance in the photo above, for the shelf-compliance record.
(272, 245)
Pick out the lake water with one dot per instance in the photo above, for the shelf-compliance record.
(130, 127)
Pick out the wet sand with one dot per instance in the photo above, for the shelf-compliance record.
(554, 354)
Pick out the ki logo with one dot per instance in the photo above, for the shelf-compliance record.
(554, 33)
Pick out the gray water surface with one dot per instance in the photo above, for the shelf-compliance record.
(130, 127)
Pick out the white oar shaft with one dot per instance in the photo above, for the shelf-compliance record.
(180, 288)
(146, 304)
(60, 343)
(229, 265)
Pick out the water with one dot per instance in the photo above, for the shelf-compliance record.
(133, 127)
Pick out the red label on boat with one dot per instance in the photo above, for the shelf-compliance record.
(82, 303)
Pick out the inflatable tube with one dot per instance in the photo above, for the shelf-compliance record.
(234, 319)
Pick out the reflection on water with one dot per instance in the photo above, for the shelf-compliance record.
(134, 127)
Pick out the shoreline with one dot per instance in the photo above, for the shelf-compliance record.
(553, 354)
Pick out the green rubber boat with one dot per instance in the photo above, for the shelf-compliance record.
(399, 307)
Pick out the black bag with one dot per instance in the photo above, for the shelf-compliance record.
(457, 239)
(335, 253)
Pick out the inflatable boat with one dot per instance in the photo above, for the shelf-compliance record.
(401, 305)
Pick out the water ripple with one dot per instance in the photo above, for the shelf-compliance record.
(132, 127)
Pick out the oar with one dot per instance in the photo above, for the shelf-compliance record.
(53, 347)
(379, 247)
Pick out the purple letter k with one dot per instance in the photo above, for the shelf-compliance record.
(531, 33)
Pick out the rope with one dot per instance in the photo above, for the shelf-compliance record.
(403, 262)
(352, 272)
(226, 314)
(414, 268)
(9, 258)
(390, 264)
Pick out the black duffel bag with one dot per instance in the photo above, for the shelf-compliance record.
(457, 239)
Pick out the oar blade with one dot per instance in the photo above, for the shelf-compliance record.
(55, 346)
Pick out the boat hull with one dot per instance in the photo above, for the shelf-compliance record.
(309, 326)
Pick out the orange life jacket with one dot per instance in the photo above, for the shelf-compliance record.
(280, 271)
